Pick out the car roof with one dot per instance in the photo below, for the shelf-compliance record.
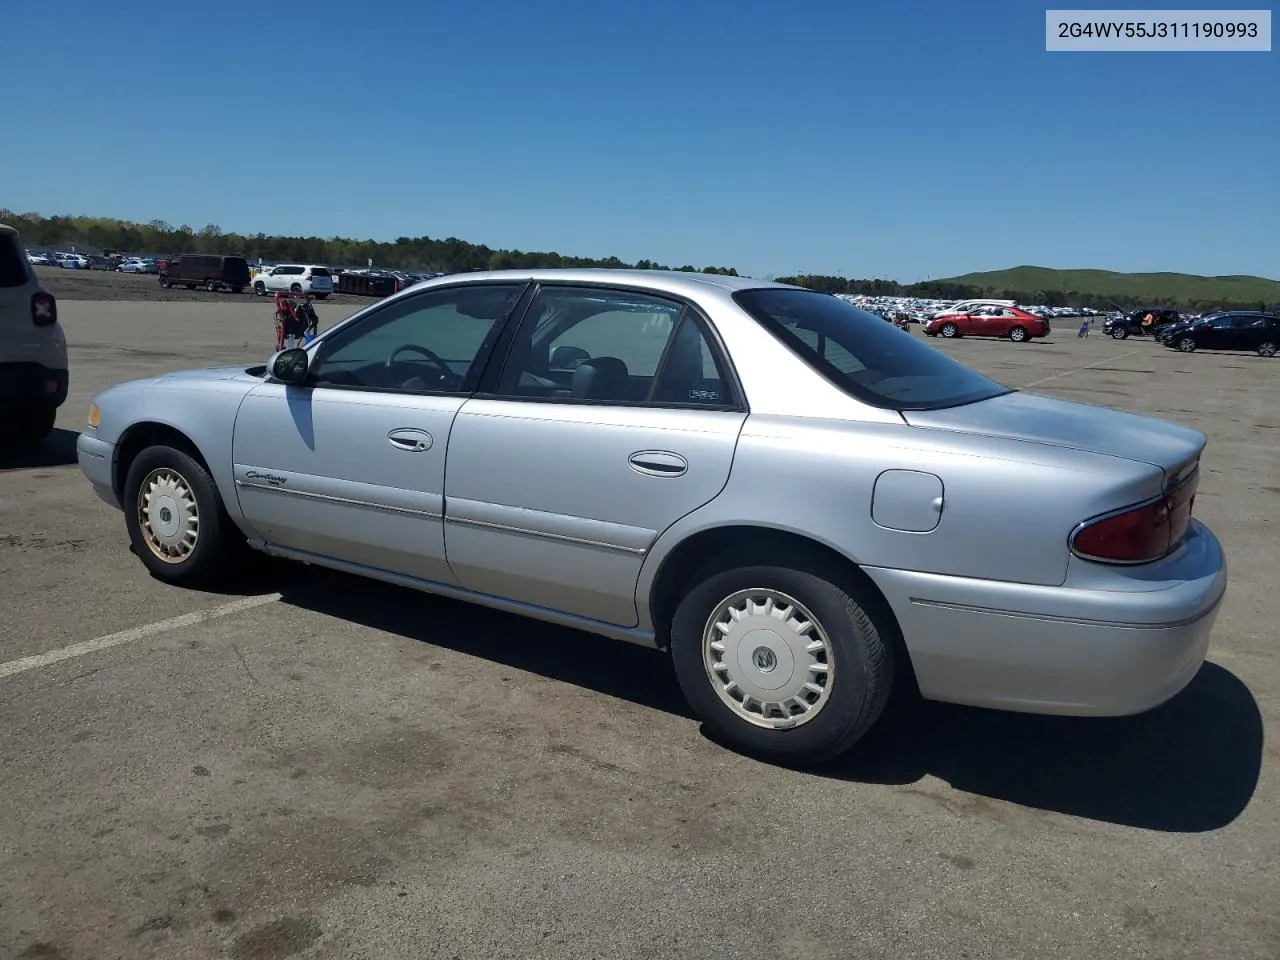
(669, 281)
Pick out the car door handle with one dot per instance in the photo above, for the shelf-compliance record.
(410, 439)
(658, 463)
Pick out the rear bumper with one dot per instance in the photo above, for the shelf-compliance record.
(1126, 642)
(97, 462)
(26, 384)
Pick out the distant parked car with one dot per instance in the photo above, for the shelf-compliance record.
(294, 278)
(1231, 330)
(72, 261)
(968, 306)
(786, 493)
(990, 321)
(33, 349)
(37, 259)
(1136, 324)
(209, 271)
(104, 263)
(138, 265)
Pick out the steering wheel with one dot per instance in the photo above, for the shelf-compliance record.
(446, 373)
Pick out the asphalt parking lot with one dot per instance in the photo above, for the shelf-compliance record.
(314, 766)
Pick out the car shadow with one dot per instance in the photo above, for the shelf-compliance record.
(56, 450)
(1189, 766)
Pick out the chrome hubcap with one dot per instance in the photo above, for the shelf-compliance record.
(768, 658)
(167, 515)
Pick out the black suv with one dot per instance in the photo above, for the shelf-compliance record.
(1135, 322)
(1230, 330)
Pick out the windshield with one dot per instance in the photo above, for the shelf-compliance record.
(860, 353)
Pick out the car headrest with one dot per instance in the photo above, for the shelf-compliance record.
(601, 378)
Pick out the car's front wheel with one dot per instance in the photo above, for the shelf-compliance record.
(784, 662)
(949, 330)
(177, 523)
(1186, 345)
(1119, 333)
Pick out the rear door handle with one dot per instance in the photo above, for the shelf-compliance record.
(658, 463)
(410, 439)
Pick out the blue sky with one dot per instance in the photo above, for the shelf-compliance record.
(891, 139)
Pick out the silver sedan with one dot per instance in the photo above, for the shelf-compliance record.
(802, 505)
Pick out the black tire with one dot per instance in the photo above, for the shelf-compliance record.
(27, 426)
(1268, 348)
(861, 653)
(295, 288)
(164, 282)
(321, 296)
(218, 541)
(1187, 345)
(1019, 335)
(210, 286)
(260, 288)
(949, 330)
(1119, 333)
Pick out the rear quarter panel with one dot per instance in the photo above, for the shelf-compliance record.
(1008, 505)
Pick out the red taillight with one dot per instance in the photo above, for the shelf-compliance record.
(44, 309)
(1140, 534)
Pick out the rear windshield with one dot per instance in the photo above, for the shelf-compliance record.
(319, 272)
(13, 263)
(864, 356)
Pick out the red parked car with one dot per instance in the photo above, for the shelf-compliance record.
(1012, 322)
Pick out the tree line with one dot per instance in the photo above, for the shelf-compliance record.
(158, 238)
(451, 255)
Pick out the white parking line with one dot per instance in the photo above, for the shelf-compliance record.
(1087, 366)
(136, 633)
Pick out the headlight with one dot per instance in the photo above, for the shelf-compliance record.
(95, 416)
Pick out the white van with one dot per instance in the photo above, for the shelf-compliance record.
(33, 349)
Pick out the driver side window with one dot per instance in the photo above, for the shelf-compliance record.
(434, 342)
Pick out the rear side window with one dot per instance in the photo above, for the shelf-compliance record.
(864, 356)
(13, 263)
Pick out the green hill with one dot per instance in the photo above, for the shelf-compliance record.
(1153, 287)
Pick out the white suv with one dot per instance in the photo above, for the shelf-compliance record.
(33, 350)
(294, 278)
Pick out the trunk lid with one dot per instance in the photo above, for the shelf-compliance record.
(1038, 419)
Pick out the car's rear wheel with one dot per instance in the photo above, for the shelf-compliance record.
(1018, 334)
(27, 425)
(1186, 345)
(177, 523)
(1267, 348)
(784, 662)
(1119, 333)
(949, 330)
(295, 288)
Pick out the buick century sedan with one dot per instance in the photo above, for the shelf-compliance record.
(793, 499)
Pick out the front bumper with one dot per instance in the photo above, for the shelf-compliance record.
(1120, 641)
(25, 384)
(97, 462)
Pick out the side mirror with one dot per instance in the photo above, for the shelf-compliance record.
(289, 366)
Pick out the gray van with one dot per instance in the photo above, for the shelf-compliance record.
(205, 270)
